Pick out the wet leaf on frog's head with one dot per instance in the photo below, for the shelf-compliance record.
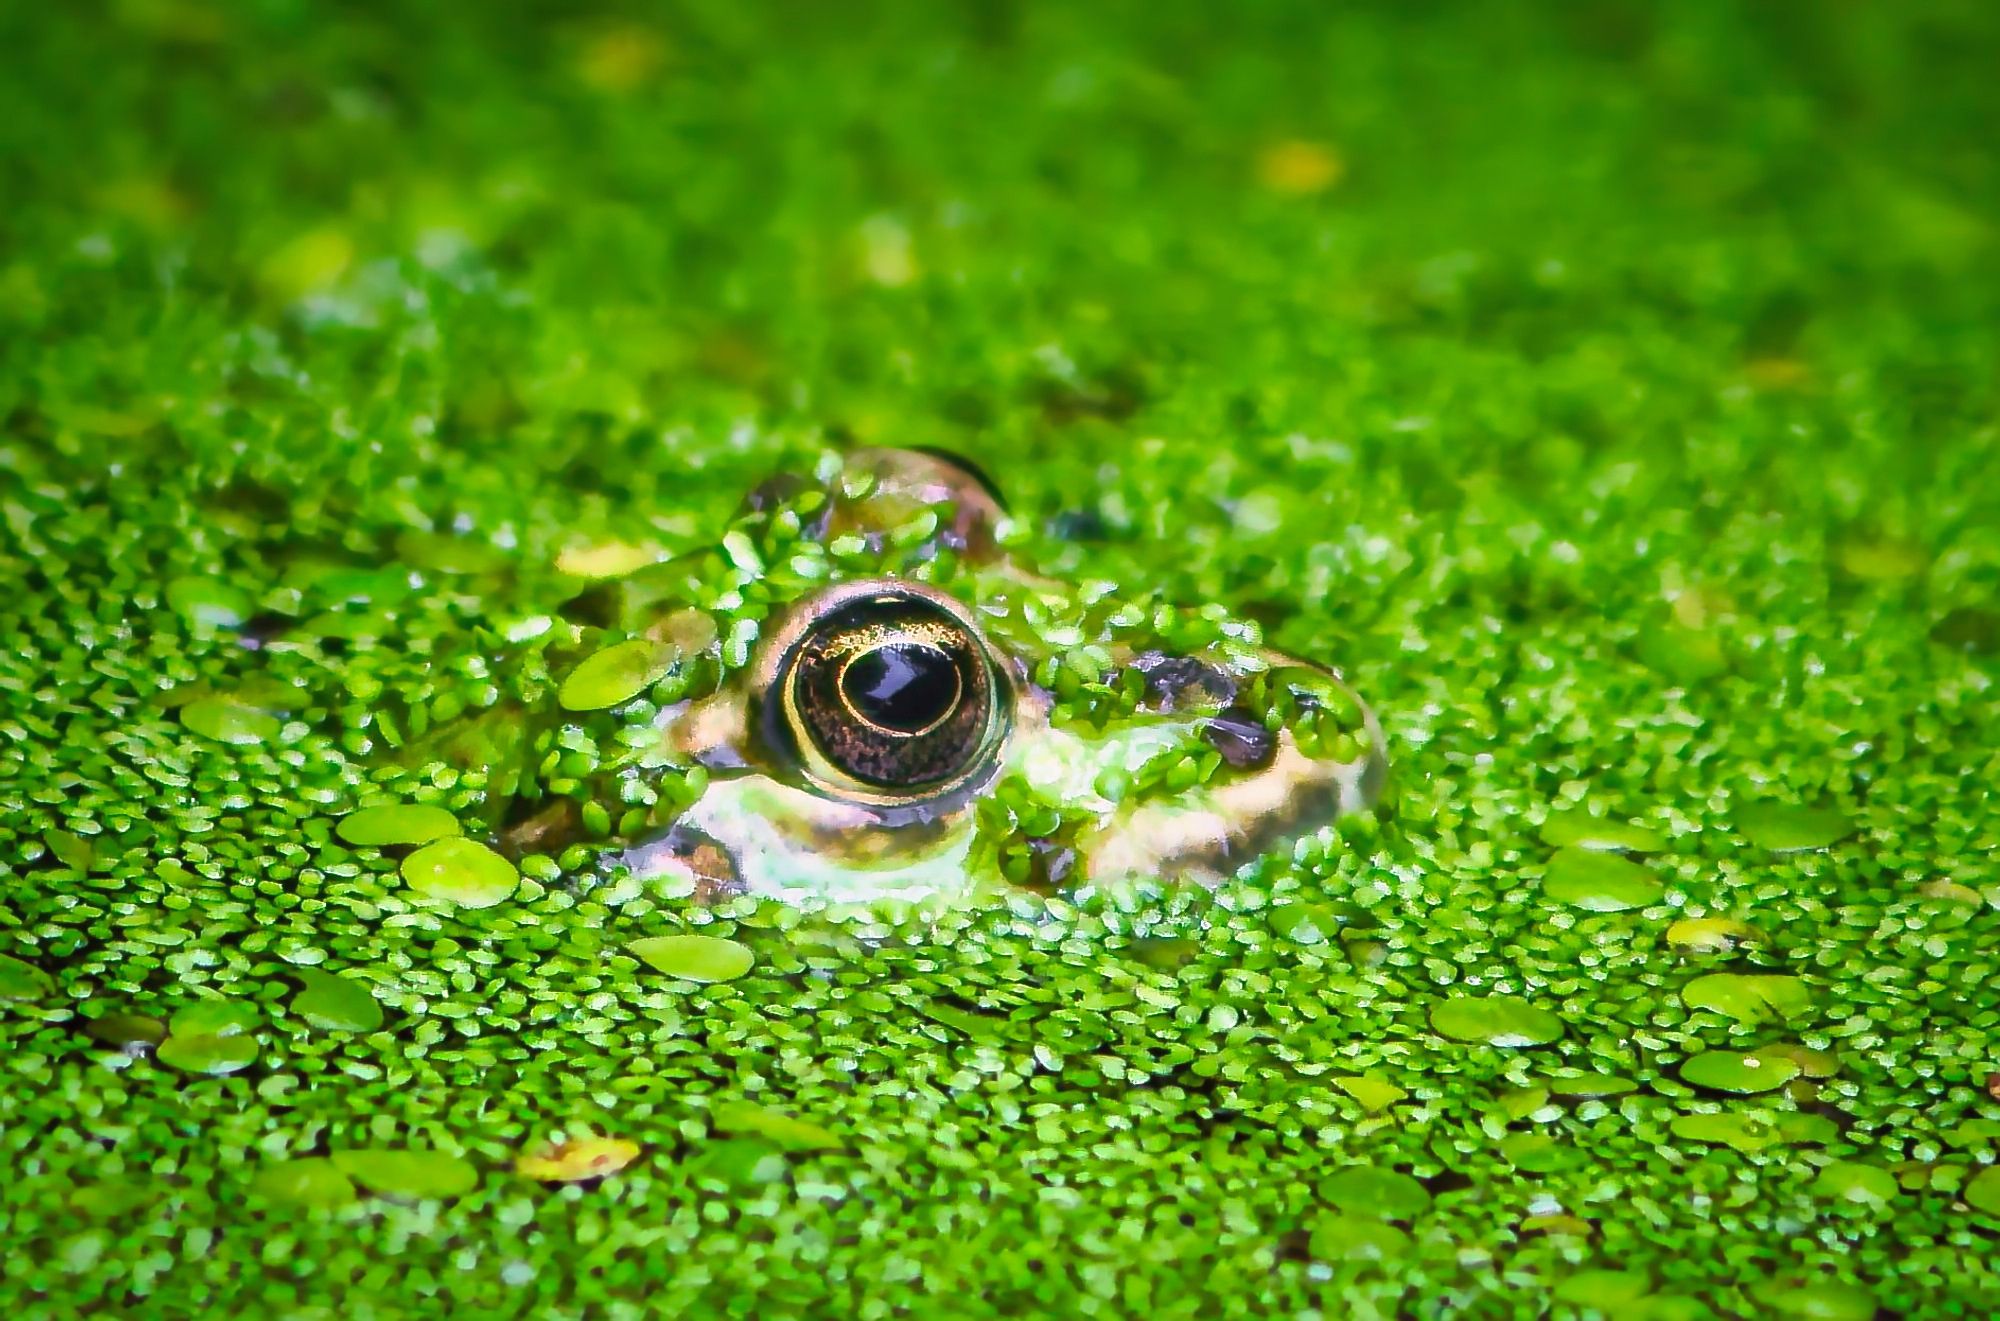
(1495, 1020)
(617, 674)
(412, 1173)
(462, 871)
(1788, 828)
(694, 958)
(310, 1181)
(576, 1159)
(335, 1003)
(396, 823)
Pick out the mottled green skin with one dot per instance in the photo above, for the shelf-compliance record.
(1100, 775)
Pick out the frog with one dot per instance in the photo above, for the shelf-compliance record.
(864, 694)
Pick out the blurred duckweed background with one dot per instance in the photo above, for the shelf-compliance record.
(1609, 388)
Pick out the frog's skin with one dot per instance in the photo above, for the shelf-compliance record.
(1098, 737)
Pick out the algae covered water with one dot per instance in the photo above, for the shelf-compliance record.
(1609, 393)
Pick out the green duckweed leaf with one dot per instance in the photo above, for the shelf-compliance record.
(1682, 655)
(462, 871)
(1749, 998)
(1787, 828)
(112, 1198)
(1374, 1094)
(775, 1126)
(443, 552)
(1305, 924)
(72, 850)
(1982, 1191)
(335, 1003)
(1583, 1086)
(1356, 1238)
(23, 981)
(310, 1182)
(412, 1173)
(227, 720)
(1539, 1153)
(1969, 630)
(1735, 1071)
(1710, 935)
(208, 603)
(694, 958)
(1852, 1181)
(127, 1031)
(399, 823)
(1582, 829)
(1604, 1290)
(204, 1053)
(1495, 1020)
(1600, 882)
(213, 1017)
(617, 674)
(1819, 1300)
(1369, 1191)
(1748, 1133)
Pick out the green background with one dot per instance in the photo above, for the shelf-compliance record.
(1609, 389)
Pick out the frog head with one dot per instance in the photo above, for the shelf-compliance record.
(862, 695)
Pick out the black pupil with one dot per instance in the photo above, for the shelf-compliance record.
(905, 687)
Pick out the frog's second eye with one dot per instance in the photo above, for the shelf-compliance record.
(886, 694)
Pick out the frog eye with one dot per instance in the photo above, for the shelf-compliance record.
(886, 693)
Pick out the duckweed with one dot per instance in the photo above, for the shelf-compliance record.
(1606, 390)
(617, 674)
(336, 1004)
(695, 958)
(463, 872)
(1599, 882)
(397, 823)
(1496, 1020)
(411, 1173)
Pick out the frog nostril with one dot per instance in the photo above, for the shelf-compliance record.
(902, 687)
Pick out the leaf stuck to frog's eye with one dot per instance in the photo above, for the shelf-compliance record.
(886, 692)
